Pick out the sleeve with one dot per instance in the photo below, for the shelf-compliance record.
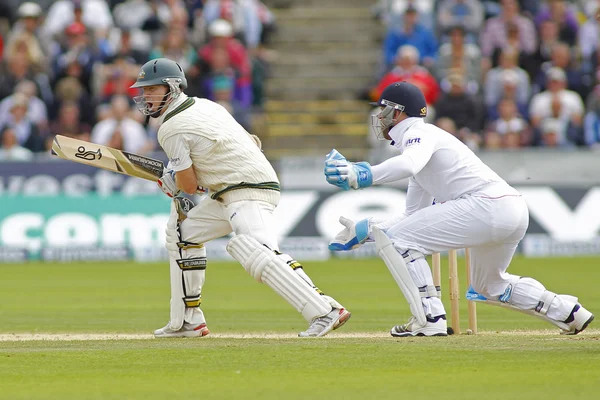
(416, 199)
(178, 151)
(417, 153)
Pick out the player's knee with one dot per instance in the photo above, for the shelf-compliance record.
(409, 255)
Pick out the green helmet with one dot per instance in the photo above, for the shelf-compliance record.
(161, 71)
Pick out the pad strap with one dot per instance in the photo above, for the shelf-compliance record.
(430, 291)
(412, 255)
(544, 304)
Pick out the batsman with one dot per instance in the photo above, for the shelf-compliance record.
(207, 148)
(475, 209)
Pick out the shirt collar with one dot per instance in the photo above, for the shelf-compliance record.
(398, 131)
(174, 104)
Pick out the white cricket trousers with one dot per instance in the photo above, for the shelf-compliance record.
(491, 227)
(210, 220)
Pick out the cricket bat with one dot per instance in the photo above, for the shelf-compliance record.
(107, 158)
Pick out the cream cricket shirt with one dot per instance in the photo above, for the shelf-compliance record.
(200, 133)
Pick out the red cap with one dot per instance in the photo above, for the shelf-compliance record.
(76, 28)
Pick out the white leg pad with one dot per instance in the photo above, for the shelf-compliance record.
(397, 267)
(187, 270)
(530, 297)
(266, 267)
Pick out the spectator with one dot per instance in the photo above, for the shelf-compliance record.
(76, 57)
(510, 130)
(494, 34)
(121, 131)
(494, 83)
(391, 12)
(93, 14)
(458, 56)
(553, 133)
(69, 89)
(472, 140)
(118, 78)
(243, 17)
(131, 14)
(27, 44)
(221, 36)
(10, 149)
(17, 68)
(590, 33)
(459, 106)
(561, 58)
(510, 90)
(559, 104)
(412, 33)
(27, 134)
(126, 50)
(548, 39)
(467, 14)
(36, 111)
(29, 23)
(224, 86)
(69, 123)
(591, 122)
(175, 46)
(565, 19)
(408, 69)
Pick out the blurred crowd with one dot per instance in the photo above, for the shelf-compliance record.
(499, 74)
(66, 65)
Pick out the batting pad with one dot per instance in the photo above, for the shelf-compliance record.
(265, 266)
(397, 267)
(187, 269)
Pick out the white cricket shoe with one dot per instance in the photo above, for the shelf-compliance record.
(323, 325)
(579, 319)
(437, 328)
(187, 330)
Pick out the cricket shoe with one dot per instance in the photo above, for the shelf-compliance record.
(187, 330)
(434, 327)
(578, 320)
(321, 326)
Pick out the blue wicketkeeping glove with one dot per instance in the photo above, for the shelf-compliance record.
(344, 174)
(352, 236)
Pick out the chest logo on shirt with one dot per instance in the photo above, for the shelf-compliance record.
(412, 141)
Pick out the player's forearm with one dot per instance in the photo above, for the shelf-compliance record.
(394, 169)
(186, 180)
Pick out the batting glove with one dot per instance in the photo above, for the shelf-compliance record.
(344, 174)
(168, 185)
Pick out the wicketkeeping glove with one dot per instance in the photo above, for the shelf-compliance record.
(352, 236)
(344, 174)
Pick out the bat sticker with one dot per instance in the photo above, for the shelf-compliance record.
(88, 155)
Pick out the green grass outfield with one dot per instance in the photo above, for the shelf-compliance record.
(111, 309)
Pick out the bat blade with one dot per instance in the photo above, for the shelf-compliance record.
(107, 158)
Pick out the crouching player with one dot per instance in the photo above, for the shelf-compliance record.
(477, 209)
(208, 148)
